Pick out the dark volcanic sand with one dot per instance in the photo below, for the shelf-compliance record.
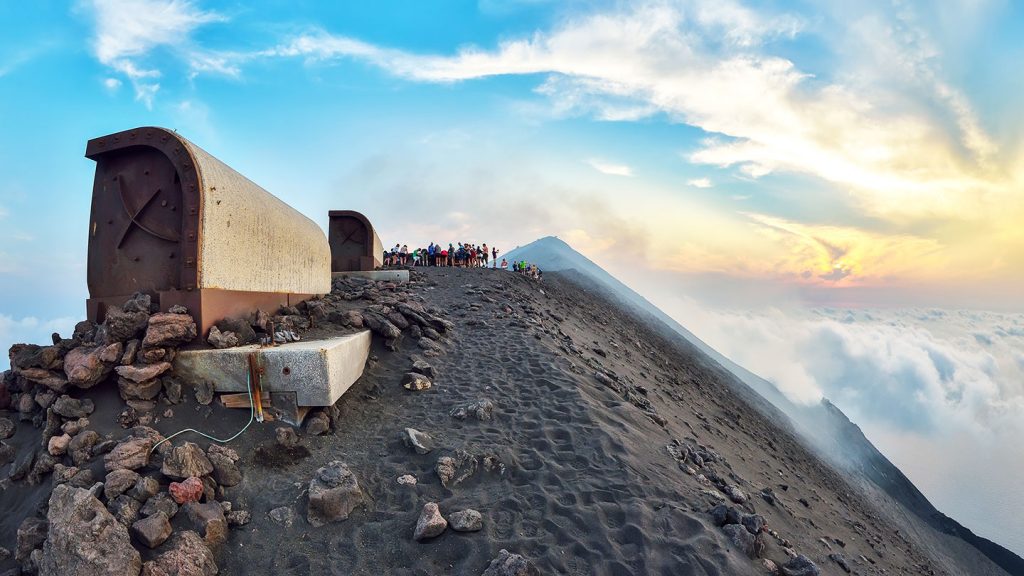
(589, 486)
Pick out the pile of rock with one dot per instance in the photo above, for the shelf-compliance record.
(133, 344)
(90, 527)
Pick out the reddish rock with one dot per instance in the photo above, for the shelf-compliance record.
(169, 330)
(84, 368)
(142, 373)
(112, 353)
(189, 490)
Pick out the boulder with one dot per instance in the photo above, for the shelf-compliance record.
(800, 566)
(142, 373)
(169, 330)
(333, 493)
(754, 523)
(740, 538)
(51, 379)
(118, 482)
(161, 502)
(145, 390)
(80, 447)
(482, 409)
(187, 555)
(221, 340)
(466, 521)
(84, 368)
(208, 520)
(31, 535)
(415, 381)
(58, 445)
(121, 325)
(84, 538)
(509, 564)
(191, 490)
(421, 366)
(125, 509)
(421, 442)
(185, 461)
(283, 515)
(129, 454)
(225, 472)
(318, 423)
(153, 530)
(430, 523)
(7, 428)
(69, 407)
(145, 488)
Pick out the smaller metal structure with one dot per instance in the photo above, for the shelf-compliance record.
(355, 246)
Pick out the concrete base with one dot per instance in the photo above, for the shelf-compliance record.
(378, 275)
(317, 371)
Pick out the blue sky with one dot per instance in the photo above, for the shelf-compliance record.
(729, 159)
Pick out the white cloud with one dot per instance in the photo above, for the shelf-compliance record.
(610, 168)
(112, 84)
(127, 31)
(700, 183)
(711, 66)
(937, 400)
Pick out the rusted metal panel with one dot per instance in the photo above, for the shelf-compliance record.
(170, 220)
(355, 245)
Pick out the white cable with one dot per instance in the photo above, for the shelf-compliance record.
(252, 415)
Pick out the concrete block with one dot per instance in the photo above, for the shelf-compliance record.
(377, 275)
(317, 371)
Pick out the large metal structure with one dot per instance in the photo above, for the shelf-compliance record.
(355, 246)
(170, 220)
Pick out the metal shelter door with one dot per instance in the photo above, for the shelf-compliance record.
(136, 224)
(348, 238)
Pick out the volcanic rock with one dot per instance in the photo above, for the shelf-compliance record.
(153, 530)
(190, 490)
(118, 482)
(142, 373)
(169, 330)
(125, 509)
(221, 340)
(415, 381)
(508, 564)
(430, 523)
(187, 555)
(69, 407)
(161, 502)
(419, 441)
(31, 535)
(208, 520)
(84, 538)
(333, 493)
(185, 461)
(84, 368)
(482, 409)
(466, 521)
(800, 566)
(130, 454)
(740, 538)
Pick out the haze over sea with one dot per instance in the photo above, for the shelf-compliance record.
(829, 193)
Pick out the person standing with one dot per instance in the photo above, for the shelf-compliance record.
(494, 256)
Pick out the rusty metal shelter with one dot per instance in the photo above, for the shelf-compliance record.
(170, 220)
(355, 246)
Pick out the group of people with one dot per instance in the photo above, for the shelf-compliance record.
(463, 255)
(526, 269)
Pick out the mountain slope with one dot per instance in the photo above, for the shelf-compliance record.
(824, 426)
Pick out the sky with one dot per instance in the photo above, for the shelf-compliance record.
(761, 170)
